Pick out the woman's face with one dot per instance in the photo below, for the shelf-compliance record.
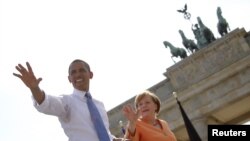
(147, 107)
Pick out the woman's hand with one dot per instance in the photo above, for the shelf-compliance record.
(132, 116)
(130, 113)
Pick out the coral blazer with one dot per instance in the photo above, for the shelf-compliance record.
(147, 132)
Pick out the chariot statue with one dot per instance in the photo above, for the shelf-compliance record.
(201, 41)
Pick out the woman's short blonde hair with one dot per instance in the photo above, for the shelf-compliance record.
(154, 97)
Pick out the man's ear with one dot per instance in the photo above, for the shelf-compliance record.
(69, 79)
(91, 75)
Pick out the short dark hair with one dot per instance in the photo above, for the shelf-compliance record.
(79, 60)
(154, 97)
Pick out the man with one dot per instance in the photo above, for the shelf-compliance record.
(71, 110)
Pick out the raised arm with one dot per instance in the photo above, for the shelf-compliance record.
(30, 80)
(132, 116)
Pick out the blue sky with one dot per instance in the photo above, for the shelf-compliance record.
(121, 40)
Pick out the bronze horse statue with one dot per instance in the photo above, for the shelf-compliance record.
(175, 51)
(206, 32)
(222, 26)
(189, 44)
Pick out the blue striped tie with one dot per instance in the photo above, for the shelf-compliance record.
(96, 119)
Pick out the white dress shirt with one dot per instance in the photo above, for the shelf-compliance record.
(73, 114)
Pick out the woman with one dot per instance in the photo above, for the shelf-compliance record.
(143, 124)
